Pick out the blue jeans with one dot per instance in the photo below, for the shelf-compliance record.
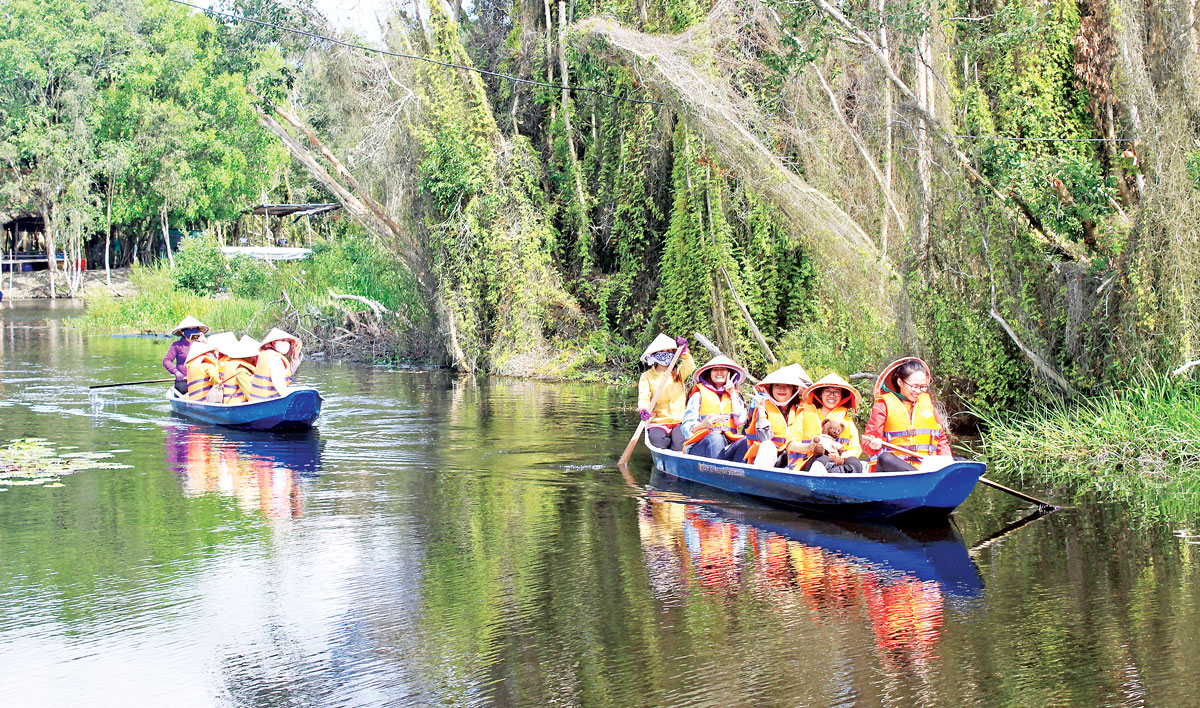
(711, 445)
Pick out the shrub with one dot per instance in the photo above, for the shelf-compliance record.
(248, 278)
(200, 267)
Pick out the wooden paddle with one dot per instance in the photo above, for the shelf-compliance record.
(133, 383)
(662, 385)
(936, 459)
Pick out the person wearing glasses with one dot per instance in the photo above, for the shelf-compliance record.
(903, 415)
(189, 330)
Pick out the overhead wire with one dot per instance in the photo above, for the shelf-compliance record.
(416, 57)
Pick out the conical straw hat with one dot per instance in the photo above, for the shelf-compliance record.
(719, 361)
(246, 348)
(197, 349)
(277, 334)
(661, 343)
(886, 376)
(792, 375)
(189, 322)
(850, 396)
(223, 342)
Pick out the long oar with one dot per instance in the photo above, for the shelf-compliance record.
(133, 383)
(985, 480)
(662, 385)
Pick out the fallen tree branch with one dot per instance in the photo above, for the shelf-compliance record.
(376, 307)
(749, 320)
(1185, 368)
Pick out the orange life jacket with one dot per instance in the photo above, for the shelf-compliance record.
(782, 431)
(230, 391)
(916, 430)
(711, 403)
(202, 374)
(261, 387)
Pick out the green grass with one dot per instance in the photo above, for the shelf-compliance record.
(159, 306)
(1139, 445)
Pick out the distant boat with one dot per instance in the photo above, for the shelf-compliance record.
(882, 495)
(295, 411)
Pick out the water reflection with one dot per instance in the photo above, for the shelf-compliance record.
(900, 579)
(263, 472)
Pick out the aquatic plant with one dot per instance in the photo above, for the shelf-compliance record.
(34, 461)
(1139, 444)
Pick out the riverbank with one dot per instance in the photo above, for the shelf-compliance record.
(1139, 445)
(35, 285)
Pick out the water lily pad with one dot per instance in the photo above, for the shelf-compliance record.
(34, 461)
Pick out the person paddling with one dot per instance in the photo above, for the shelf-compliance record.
(662, 423)
(715, 410)
(275, 365)
(188, 331)
(903, 415)
(830, 399)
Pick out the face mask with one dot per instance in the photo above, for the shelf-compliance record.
(663, 358)
(283, 347)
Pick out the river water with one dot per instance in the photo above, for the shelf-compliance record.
(443, 540)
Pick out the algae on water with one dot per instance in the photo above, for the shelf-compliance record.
(34, 461)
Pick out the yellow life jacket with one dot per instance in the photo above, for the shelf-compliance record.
(783, 430)
(917, 430)
(261, 387)
(811, 428)
(711, 403)
(202, 374)
(231, 392)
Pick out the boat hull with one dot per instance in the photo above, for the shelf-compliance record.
(295, 411)
(884, 495)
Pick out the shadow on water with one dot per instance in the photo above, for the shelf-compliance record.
(263, 471)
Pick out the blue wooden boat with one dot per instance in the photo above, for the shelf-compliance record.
(882, 495)
(295, 411)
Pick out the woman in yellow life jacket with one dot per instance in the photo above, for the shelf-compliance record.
(277, 355)
(237, 369)
(715, 410)
(662, 423)
(831, 398)
(774, 419)
(903, 415)
(203, 373)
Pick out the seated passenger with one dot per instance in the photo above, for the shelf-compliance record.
(274, 367)
(903, 415)
(774, 419)
(715, 410)
(662, 423)
(831, 405)
(203, 373)
(237, 370)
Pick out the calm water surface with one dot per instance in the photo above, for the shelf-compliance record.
(443, 540)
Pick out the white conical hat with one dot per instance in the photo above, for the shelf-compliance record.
(792, 375)
(197, 349)
(722, 361)
(189, 322)
(223, 342)
(277, 334)
(246, 348)
(661, 343)
(834, 381)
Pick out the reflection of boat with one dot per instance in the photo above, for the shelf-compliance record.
(928, 552)
(295, 411)
(882, 495)
(896, 581)
(263, 471)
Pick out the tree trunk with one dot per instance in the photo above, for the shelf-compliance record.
(566, 98)
(48, 226)
(167, 235)
(549, 56)
(924, 154)
(887, 126)
(108, 234)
